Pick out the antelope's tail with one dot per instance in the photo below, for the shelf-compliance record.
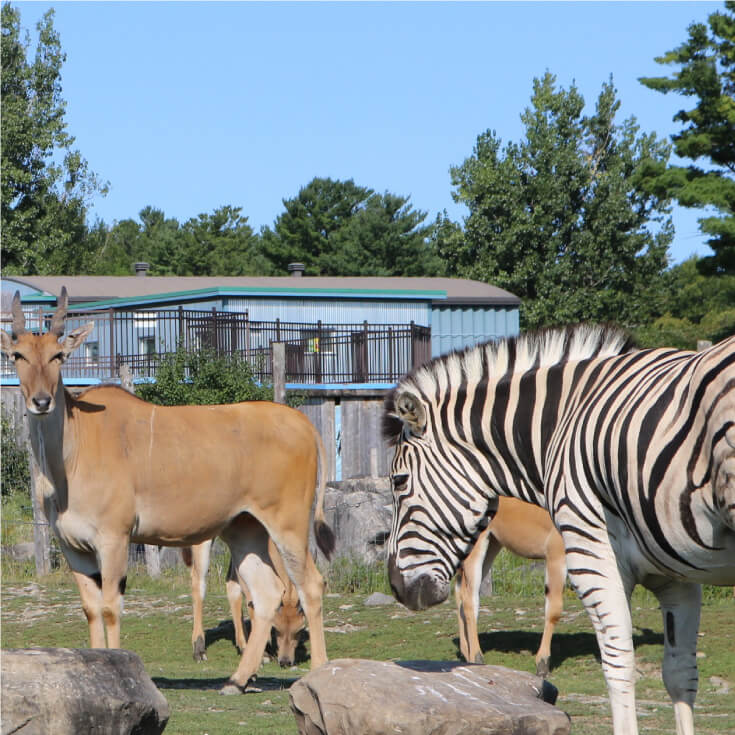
(324, 535)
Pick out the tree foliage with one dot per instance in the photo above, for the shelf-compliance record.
(696, 307)
(559, 218)
(218, 244)
(337, 228)
(46, 184)
(706, 72)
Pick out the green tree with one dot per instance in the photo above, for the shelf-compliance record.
(696, 307)
(218, 244)
(559, 218)
(337, 228)
(706, 72)
(46, 184)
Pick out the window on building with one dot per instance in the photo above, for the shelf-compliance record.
(146, 346)
(92, 353)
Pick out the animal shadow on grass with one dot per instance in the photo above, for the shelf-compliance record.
(563, 645)
(225, 630)
(261, 684)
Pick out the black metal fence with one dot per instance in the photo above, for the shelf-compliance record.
(315, 353)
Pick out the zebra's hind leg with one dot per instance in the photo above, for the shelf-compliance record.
(680, 606)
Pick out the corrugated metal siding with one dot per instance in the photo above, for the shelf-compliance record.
(332, 311)
(457, 327)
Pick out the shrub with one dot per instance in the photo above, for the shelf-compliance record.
(203, 377)
(16, 476)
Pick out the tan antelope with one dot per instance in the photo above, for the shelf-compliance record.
(116, 469)
(527, 531)
(287, 623)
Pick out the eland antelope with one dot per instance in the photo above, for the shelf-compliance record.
(287, 623)
(115, 469)
(527, 531)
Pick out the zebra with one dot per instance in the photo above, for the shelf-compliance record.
(632, 452)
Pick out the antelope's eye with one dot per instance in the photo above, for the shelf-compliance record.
(58, 356)
(18, 356)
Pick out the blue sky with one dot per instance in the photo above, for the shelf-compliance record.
(191, 106)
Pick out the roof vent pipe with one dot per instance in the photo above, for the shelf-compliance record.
(296, 270)
(141, 269)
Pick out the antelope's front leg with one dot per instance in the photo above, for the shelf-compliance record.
(113, 556)
(86, 574)
(200, 556)
(249, 549)
(680, 606)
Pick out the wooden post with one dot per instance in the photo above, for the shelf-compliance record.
(279, 371)
(41, 530)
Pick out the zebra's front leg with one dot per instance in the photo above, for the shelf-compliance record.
(604, 592)
(680, 606)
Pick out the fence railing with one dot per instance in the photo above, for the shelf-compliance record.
(315, 353)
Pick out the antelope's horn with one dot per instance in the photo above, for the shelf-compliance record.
(19, 318)
(57, 320)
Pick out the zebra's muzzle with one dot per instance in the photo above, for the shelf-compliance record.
(419, 592)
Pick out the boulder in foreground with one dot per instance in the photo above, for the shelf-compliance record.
(348, 696)
(68, 691)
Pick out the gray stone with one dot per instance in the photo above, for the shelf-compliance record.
(359, 512)
(379, 598)
(68, 691)
(20, 552)
(348, 696)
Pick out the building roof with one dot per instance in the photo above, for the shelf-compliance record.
(117, 290)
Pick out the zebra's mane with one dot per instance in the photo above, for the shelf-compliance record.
(542, 348)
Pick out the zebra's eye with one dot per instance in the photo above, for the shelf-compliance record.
(399, 481)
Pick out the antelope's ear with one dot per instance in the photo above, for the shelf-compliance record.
(75, 338)
(412, 413)
(7, 344)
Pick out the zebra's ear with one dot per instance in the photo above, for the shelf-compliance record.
(412, 413)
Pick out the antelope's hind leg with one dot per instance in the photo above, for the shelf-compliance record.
(556, 576)
(234, 597)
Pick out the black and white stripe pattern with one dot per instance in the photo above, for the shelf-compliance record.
(632, 452)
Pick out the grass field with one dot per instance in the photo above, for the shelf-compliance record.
(157, 626)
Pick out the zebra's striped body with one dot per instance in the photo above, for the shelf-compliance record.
(632, 452)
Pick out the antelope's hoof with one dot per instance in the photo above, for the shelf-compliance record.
(232, 687)
(479, 659)
(542, 668)
(200, 651)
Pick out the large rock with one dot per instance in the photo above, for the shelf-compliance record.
(359, 512)
(348, 696)
(68, 691)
